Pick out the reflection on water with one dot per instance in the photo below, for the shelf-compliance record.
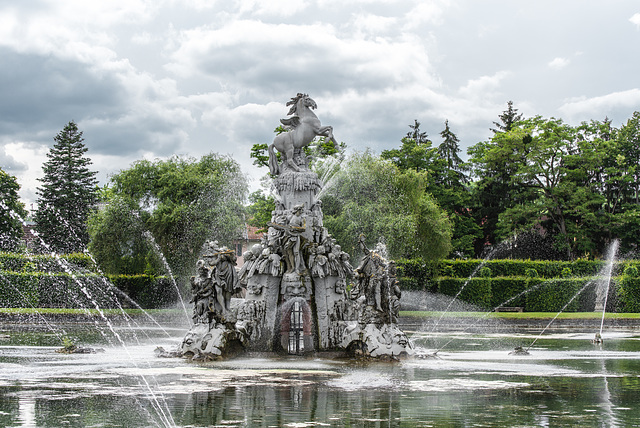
(566, 381)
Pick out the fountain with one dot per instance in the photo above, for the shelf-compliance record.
(303, 296)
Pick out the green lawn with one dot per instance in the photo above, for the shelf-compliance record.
(65, 311)
(522, 315)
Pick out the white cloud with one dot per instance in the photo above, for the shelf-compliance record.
(484, 86)
(33, 156)
(635, 19)
(280, 8)
(559, 63)
(143, 38)
(597, 107)
(371, 25)
(247, 52)
(426, 12)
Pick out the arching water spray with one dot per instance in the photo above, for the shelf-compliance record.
(158, 251)
(473, 274)
(559, 312)
(506, 302)
(158, 402)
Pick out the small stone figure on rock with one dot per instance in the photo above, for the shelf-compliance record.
(395, 293)
(225, 278)
(371, 275)
(203, 293)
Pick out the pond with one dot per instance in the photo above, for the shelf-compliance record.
(565, 381)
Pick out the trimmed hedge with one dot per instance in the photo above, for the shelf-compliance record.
(551, 284)
(17, 262)
(418, 274)
(147, 291)
(532, 294)
(63, 290)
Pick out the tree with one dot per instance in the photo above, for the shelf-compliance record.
(493, 191)
(118, 238)
(373, 197)
(177, 203)
(445, 179)
(259, 209)
(449, 148)
(450, 188)
(67, 195)
(507, 119)
(11, 212)
(415, 151)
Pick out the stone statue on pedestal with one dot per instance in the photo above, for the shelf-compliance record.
(302, 294)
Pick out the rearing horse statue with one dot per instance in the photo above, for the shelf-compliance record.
(303, 127)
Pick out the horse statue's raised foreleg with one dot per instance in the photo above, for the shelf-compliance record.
(327, 133)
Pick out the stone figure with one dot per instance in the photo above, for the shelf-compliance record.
(395, 293)
(224, 277)
(303, 127)
(371, 275)
(209, 250)
(292, 239)
(243, 274)
(293, 285)
(318, 268)
(203, 293)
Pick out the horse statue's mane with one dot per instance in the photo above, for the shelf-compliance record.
(294, 103)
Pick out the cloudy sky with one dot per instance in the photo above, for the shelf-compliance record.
(152, 78)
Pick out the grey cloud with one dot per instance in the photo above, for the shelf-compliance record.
(45, 92)
(40, 94)
(9, 164)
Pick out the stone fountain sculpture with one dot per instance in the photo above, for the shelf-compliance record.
(302, 294)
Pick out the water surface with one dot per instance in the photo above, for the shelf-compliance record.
(566, 381)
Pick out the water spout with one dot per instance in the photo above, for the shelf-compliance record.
(602, 292)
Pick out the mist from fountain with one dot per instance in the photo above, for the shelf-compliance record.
(158, 402)
(149, 236)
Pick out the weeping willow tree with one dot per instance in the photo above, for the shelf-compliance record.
(371, 196)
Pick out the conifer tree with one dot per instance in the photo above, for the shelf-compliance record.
(507, 119)
(11, 210)
(67, 195)
(449, 148)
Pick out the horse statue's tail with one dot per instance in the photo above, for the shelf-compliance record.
(273, 161)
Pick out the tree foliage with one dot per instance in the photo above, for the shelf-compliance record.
(11, 211)
(67, 194)
(371, 196)
(259, 209)
(576, 183)
(446, 179)
(177, 203)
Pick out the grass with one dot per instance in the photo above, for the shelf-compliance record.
(71, 311)
(522, 315)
